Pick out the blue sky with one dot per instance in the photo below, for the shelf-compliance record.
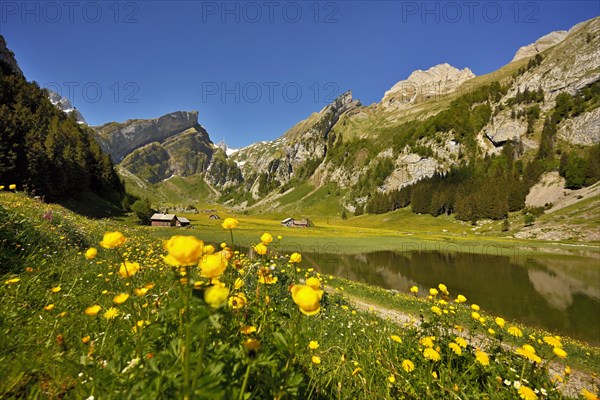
(254, 68)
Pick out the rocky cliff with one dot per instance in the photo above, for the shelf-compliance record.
(8, 57)
(65, 105)
(120, 139)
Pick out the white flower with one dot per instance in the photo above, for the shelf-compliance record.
(507, 382)
(517, 384)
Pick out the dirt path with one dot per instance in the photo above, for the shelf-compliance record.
(578, 380)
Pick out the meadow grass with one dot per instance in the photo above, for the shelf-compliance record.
(226, 326)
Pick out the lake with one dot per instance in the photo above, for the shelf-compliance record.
(560, 294)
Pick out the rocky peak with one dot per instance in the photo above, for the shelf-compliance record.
(120, 139)
(65, 105)
(421, 85)
(8, 57)
(543, 43)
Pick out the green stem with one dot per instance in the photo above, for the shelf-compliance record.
(231, 236)
(246, 376)
(186, 346)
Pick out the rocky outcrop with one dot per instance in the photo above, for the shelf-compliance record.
(422, 85)
(543, 43)
(8, 57)
(65, 105)
(120, 139)
(503, 128)
(582, 130)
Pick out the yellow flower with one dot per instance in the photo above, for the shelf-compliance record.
(183, 250)
(491, 331)
(356, 371)
(252, 344)
(140, 292)
(314, 283)
(455, 348)
(475, 315)
(527, 394)
(567, 370)
(120, 298)
(396, 338)
(460, 298)
(12, 187)
(260, 249)
(433, 292)
(431, 354)
(553, 341)
(93, 310)
(516, 332)
(414, 290)
(313, 345)
(443, 288)
(1, 187)
(208, 249)
(229, 223)
(529, 353)
(49, 307)
(11, 281)
(55, 289)
(112, 240)
(316, 360)
(500, 322)
(475, 307)
(461, 342)
(237, 301)
(427, 341)
(216, 296)
(588, 395)
(559, 352)
(482, 358)
(85, 339)
(391, 378)
(91, 253)
(436, 310)
(111, 313)
(307, 299)
(248, 329)
(295, 258)
(408, 366)
(267, 279)
(212, 265)
(128, 269)
(238, 283)
(266, 238)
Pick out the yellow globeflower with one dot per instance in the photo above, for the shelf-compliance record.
(56, 289)
(12, 187)
(140, 292)
(120, 298)
(391, 378)
(313, 345)
(500, 322)
(183, 250)
(408, 366)
(216, 296)
(209, 249)
(295, 258)
(475, 315)
(482, 358)
(475, 307)
(112, 240)
(433, 292)
(266, 238)
(431, 354)
(443, 288)
(128, 269)
(436, 310)
(559, 352)
(260, 249)
(316, 360)
(91, 253)
(212, 265)
(93, 310)
(460, 298)
(527, 394)
(314, 283)
(307, 299)
(1, 187)
(229, 223)
(414, 290)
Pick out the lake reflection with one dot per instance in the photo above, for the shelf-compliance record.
(556, 294)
